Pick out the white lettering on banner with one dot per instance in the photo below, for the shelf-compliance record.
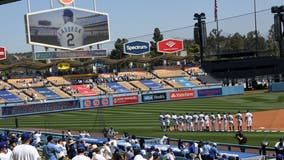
(182, 95)
(170, 44)
(136, 47)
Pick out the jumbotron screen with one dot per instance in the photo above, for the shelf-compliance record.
(67, 28)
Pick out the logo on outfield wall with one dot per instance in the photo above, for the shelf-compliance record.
(136, 48)
(2, 53)
(67, 28)
(170, 46)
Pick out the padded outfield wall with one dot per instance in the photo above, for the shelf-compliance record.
(22, 109)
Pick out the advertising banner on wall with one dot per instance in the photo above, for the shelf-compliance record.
(186, 94)
(154, 97)
(70, 54)
(136, 48)
(2, 53)
(96, 102)
(125, 100)
(39, 108)
(209, 92)
(67, 28)
(170, 46)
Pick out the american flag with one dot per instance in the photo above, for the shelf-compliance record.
(216, 10)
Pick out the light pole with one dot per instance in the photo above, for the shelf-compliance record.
(201, 26)
(278, 22)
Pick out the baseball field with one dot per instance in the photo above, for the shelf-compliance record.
(142, 119)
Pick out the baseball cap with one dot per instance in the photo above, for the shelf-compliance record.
(156, 154)
(81, 147)
(26, 136)
(3, 138)
(214, 144)
(3, 145)
(67, 13)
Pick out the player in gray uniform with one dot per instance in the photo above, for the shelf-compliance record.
(175, 121)
(168, 121)
(162, 122)
(225, 120)
(70, 35)
(213, 119)
(201, 121)
(239, 120)
(219, 121)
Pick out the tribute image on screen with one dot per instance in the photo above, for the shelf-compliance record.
(67, 28)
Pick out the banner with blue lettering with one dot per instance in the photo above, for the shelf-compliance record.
(209, 92)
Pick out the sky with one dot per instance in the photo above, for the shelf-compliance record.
(134, 18)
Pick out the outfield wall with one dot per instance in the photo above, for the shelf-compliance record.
(277, 87)
(13, 110)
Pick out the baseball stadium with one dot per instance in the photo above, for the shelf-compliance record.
(214, 95)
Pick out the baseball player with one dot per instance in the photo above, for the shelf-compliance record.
(195, 121)
(206, 118)
(248, 118)
(225, 120)
(70, 34)
(231, 122)
(180, 122)
(175, 121)
(188, 118)
(239, 118)
(162, 122)
(168, 121)
(201, 121)
(212, 118)
(219, 120)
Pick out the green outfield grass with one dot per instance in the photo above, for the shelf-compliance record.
(143, 120)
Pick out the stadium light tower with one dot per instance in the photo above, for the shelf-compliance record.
(278, 12)
(200, 32)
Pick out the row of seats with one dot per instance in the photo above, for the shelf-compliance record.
(38, 89)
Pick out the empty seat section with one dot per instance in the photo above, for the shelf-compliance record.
(163, 73)
(162, 83)
(59, 92)
(184, 82)
(117, 87)
(140, 85)
(9, 97)
(151, 85)
(47, 93)
(128, 86)
(84, 90)
(58, 81)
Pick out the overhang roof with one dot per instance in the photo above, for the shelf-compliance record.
(7, 1)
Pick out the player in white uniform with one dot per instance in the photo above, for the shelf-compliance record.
(188, 118)
(212, 118)
(168, 121)
(231, 122)
(201, 122)
(206, 118)
(225, 120)
(162, 122)
(239, 120)
(195, 121)
(219, 120)
(175, 121)
(180, 122)
(249, 120)
(70, 35)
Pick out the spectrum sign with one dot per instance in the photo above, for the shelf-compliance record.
(136, 48)
(170, 46)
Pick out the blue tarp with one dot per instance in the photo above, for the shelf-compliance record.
(184, 82)
(49, 94)
(117, 87)
(152, 85)
(9, 97)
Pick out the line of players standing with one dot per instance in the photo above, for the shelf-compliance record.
(204, 121)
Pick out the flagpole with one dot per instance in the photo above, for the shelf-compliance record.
(217, 27)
